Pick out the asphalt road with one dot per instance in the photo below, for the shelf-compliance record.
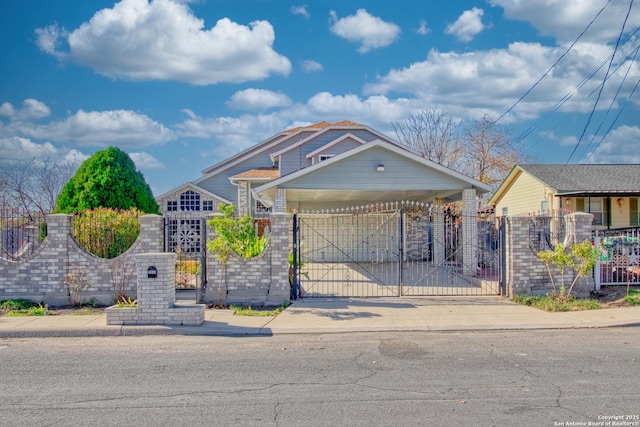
(517, 378)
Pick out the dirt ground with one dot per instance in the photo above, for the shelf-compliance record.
(613, 296)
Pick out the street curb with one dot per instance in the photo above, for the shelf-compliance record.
(154, 330)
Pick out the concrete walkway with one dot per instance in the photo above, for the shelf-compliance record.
(342, 316)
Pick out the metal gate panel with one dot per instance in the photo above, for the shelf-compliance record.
(350, 253)
(388, 250)
(185, 235)
(426, 276)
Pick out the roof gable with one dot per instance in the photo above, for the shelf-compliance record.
(335, 142)
(343, 125)
(329, 174)
(577, 179)
(191, 186)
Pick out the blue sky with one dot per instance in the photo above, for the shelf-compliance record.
(181, 85)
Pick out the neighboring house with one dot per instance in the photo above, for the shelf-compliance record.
(609, 192)
(321, 166)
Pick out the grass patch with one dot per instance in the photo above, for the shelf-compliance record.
(250, 311)
(22, 307)
(554, 303)
(633, 297)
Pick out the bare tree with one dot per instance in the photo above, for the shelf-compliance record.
(490, 152)
(34, 185)
(434, 135)
(483, 150)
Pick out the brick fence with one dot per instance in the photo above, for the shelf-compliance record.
(258, 281)
(263, 280)
(525, 273)
(41, 276)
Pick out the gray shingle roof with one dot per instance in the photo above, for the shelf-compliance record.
(587, 178)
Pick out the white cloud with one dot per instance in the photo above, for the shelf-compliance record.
(31, 109)
(492, 81)
(310, 66)
(163, 40)
(300, 10)
(102, 128)
(146, 161)
(48, 40)
(258, 99)
(565, 20)
(231, 134)
(620, 146)
(368, 30)
(374, 111)
(74, 157)
(7, 110)
(423, 30)
(468, 25)
(19, 149)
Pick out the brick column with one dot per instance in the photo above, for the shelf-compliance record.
(156, 294)
(469, 232)
(151, 233)
(56, 261)
(438, 234)
(243, 197)
(280, 204)
(279, 291)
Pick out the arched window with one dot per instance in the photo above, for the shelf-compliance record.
(190, 201)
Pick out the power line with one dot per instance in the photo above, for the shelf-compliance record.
(595, 104)
(613, 100)
(570, 94)
(546, 73)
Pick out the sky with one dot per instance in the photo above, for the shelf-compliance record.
(183, 84)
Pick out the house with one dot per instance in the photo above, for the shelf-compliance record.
(320, 166)
(364, 203)
(609, 192)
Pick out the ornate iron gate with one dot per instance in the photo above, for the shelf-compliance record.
(186, 236)
(391, 249)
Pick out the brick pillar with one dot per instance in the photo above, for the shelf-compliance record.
(279, 291)
(469, 232)
(57, 261)
(156, 294)
(151, 233)
(215, 290)
(280, 204)
(438, 234)
(243, 199)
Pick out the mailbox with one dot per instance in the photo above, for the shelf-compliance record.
(152, 272)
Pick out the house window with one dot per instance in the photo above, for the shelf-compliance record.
(189, 201)
(505, 211)
(261, 207)
(595, 209)
(207, 205)
(633, 212)
(324, 157)
(172, 206)
(592, 205)
(544, 206)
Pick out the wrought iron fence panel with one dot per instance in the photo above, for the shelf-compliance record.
(21, 232)
(619, 260)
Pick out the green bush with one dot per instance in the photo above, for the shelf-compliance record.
(107, 179)
(105, 232)
(235, 235)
